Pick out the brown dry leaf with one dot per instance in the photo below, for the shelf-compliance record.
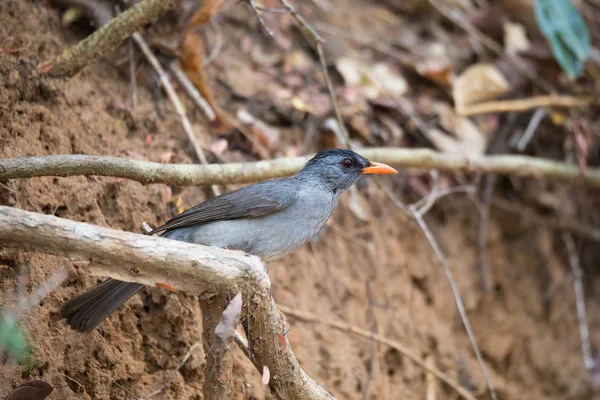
(515, 38)
(392, 81)
(166, 157)
(219, 146)
(436, 65)
(374, 81)
(469, 141)
(179, 205)
(162, 285)
(136, 155)
(31, 390)
(227, 324)
(191, 49)
(479, 82)
(583, 140)
(358, 205)
(266, 375)
(282, 341)
(265, 57)
(166, 193)
(351, 71)
(266, 134)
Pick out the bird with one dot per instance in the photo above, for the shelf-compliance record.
(269, 219)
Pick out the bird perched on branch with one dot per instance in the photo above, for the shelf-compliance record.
(269, 219)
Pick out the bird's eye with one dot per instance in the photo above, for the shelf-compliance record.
(348, 163)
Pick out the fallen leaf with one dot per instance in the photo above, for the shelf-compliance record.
(31, 390)
(350, 70)
(191, 50)
(166, 157)
(436, 65)
(566, 31)
(179, 205)
(227, 324)
(219, 146)
(266, 375)
(71, 15)
(479, 82)
(583, 140)
(266, 134)
(469, 141)
(515, 38)
(165, 286)
(282, 341)
(358, 205)
(45, 68)
(394, 83)
(135, 155)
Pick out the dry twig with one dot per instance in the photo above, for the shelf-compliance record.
(519, 105)
(191, 90)
(580, 300)
(409, 353)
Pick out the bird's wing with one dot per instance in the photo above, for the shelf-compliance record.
(248, 202)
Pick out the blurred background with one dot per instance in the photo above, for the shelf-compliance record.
(464, 77)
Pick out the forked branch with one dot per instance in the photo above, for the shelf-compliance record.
(192, 268)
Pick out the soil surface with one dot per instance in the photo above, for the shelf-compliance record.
(529, 338)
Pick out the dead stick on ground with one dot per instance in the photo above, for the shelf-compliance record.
(191, 90)
(430, 381)
(457, 298)
(164, 79)
(108, 37)
(502, 106)
(192, 174)
(407, 352)
(191, 268)
(580, 300)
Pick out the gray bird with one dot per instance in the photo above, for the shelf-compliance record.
(269, 219)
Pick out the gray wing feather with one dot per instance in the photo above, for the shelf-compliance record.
(248, 202)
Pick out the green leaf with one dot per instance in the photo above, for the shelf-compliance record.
(564, 28)
(12, 338)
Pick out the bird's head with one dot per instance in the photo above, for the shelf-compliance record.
(338, 169)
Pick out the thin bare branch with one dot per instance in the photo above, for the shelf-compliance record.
(191, 174)
(520, 105)
(580, 300)
(191, 90)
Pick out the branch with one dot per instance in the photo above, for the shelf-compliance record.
(189, 174)
(192, 268)
(108, 37)
(499, 106)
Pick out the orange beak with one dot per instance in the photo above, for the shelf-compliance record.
(378, 168)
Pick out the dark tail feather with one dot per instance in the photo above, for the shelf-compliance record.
(89, 309)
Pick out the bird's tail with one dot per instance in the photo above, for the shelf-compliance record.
(89, 309)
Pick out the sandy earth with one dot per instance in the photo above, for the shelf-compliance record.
(530, 344)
